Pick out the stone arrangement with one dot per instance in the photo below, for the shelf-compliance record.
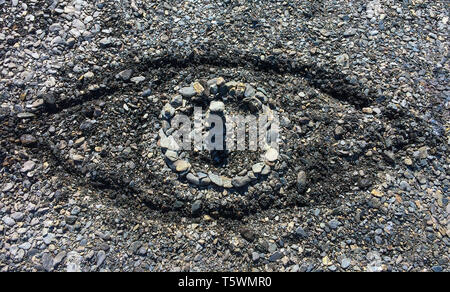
(218, 95)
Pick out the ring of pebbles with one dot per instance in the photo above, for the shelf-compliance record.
(216, 93)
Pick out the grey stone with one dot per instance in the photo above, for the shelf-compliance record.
(249, 91)
(7, 187)
(25, 246)
(8, 221)
(301, 232)
(101, 256)
(26, 115)
(17, 216)
(28, 166)
(192, 179)
(177, 101)
(125, 75)
(240, 181)
(217, 107)
(265, 170)
(275, 257)
(71, 219)
(168, 111)
(334, 224)
(258, 167)
(255, 256)
(28, 140)
(345, 263)
(217, 180)
(47, 262)
(73, 262)
(171, 155)
(301, 182)
(59, 258)
(187, 92)
(350, 32)
(196, 207)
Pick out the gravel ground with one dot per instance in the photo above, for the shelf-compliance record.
(360, 182)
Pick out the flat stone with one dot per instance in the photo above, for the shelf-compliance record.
(265, 170)
(204, 178)
(182, 165)
(73, 262)
(220, 81)
(25, 246)
(7, 187)
(193, 179)
(249, 91)
(105, 42)
(9, 221)
(240, 181)
(217, 107)
(301, 182)
(227, 182)
(217, 180)
(408, 161)
(28, 140)
(187, 92)
(79, 141)
(258, 167)
(171, 155)
(17, 216)
(47, 262)
(77, 157)
(169, 143)
(101, 256)
(345, 263)
(196, 207)
(59, 258)
(125, 75)
(301, 232)
(177, 101)
(199, 89)
(71, 219)
(271, 155)
(28, 166)
(367, 110)
(26, 115)
(377, 193)
(38, 103)
(137, 79)
(168, 111)
(275, 257)
(350, 32)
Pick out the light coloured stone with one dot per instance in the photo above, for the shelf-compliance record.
(271, 155)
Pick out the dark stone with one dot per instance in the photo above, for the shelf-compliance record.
(28, 140)
(125, 75)
(247, 234)
(50, 103)
(301, 232)
(47, 262)
(275, 257)
(71, 220)
(196, 207)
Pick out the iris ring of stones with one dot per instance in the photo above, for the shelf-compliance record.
(214, 93)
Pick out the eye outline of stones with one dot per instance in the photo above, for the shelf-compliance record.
(216, 90)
